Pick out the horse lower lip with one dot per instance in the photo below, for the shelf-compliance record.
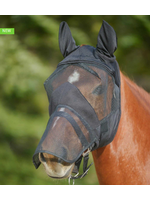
(62, 177)
(59, 177)
(54, 177)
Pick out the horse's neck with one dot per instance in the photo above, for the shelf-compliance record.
(126, 160)
(139, 96)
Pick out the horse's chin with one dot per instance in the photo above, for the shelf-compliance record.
(60, 171)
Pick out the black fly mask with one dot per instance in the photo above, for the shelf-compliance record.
(84, 92)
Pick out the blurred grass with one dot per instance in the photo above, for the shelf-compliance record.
(28, 58)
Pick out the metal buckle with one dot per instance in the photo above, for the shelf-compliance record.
(73, 181)
(85, 153)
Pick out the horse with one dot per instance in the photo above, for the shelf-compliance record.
(126, 159)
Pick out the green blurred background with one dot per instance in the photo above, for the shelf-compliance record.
(28, 58)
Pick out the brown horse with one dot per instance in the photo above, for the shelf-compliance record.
(126, 160)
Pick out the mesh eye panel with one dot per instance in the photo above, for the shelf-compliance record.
(86, 83)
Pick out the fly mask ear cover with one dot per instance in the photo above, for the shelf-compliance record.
(67, 101)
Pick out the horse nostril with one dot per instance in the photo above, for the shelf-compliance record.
(42, 157)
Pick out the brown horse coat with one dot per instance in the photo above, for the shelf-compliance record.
(126, 160)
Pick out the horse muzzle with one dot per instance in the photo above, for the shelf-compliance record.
(55, 167)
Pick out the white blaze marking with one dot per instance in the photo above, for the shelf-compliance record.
(74, 77)
(55, 122)
(61, 109)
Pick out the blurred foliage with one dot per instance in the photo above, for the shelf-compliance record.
(28, 58)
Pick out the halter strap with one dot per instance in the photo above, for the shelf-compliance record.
(85, 157)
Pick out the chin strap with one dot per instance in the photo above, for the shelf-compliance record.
(85, 157)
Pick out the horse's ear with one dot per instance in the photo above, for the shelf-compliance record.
(107, 40)
(66, 41)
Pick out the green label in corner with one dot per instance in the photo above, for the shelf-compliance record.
(7, 31)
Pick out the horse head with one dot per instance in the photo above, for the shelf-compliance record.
(84, 103)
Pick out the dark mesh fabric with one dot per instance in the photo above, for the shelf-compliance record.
(96, 89)
(65, 94)
(76, 111)
(67, 144)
